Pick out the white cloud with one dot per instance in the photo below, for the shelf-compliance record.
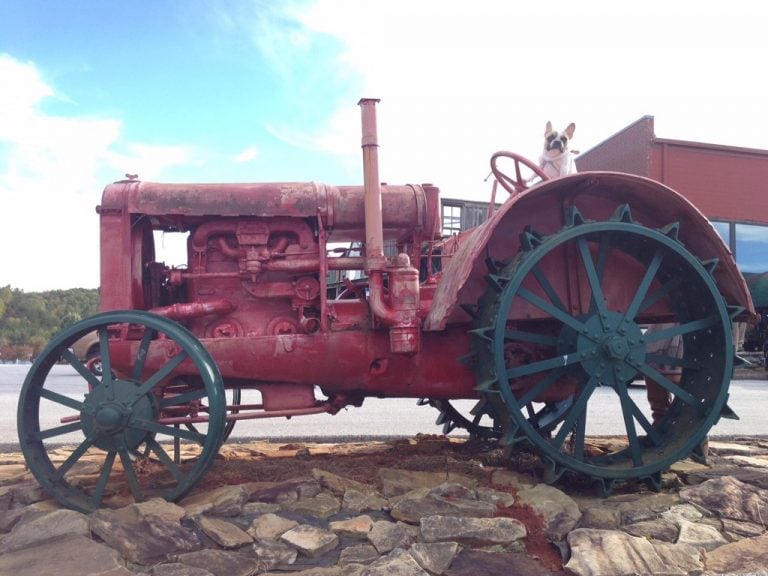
(459, 81)
(247, 155)
(52, 171)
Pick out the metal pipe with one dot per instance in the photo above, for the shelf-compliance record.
(374, 229)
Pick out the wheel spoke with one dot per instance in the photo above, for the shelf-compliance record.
(157, 428)
(533, 337)
(106, 363)
(548, 289)
(540, 387)
(72, 360)
(57, 431)
(164, 372)
(141, 356)
(598, 298)
(542, 365)
(628, 411)
(130, 474)
(184, 398)
(61, 399)
(580, 436)
(644, 285)
(106, 470)
(550, 309)
(577, 411)
(166, 460)
(670, 386)
(660, 293)
(681, 329)
(76, 454)
(659, 359)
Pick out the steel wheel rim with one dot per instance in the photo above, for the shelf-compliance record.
(668, 441)
(118, 423)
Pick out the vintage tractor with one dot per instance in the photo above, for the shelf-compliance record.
(539, 314)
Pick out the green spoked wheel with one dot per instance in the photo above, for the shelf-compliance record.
(563, 326)
(159, 391)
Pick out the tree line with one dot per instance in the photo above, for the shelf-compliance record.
(28, 320)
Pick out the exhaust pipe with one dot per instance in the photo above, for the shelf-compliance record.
(400, 309)
(374, 229)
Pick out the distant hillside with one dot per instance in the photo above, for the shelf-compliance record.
(28, 320)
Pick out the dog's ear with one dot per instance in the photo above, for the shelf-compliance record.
(570, 130)
(548, 129)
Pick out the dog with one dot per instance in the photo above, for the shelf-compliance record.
(557, 160)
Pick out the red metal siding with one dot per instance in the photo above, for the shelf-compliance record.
(724, 182)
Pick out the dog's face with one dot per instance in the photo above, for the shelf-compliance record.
(557, 142)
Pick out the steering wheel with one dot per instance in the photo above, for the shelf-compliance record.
(517, 184)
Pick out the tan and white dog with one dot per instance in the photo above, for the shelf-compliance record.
(557, 160)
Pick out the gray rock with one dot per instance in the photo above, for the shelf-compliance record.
(604, 552)
(700, 536)
(144, 541)
(68, 556)
(560, 512)
(38, 528)
(224, 501)
(600, 517)
(26, 493)
(360, 554)
(273, 554)
(658, 529)
(386, 536)
(338, 484)
(495, 497)
(178, 569)
(285, 492)
(737, 530)
(251, 508)
(225, 534)
(357, 527)
(730, 448)
(159, 507)
(221, 562)
(324, 505)
(396, 482)
(310, 541)
(512, 478)
(472, 531)
(729, 498)
(356, 501)
(436, 557)
(749, 556)
(682, 513)
(397, 563)
(270, 527)
(9, 518)
(442, 500)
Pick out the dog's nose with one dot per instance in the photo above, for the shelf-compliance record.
(556, 144)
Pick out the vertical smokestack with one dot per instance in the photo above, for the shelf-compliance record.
(374, 232)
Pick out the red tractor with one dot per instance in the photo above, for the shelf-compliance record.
(534, 314)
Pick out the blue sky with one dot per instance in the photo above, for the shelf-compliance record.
(261, 91)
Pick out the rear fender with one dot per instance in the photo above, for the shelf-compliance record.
(543, 207)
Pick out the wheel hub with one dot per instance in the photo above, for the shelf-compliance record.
(108, 411)
(612, 346)
(111, 418)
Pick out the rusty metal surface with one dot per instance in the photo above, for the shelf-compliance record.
(597, 195)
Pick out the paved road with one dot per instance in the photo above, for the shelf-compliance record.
(399, 417)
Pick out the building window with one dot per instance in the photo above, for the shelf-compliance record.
(751, 247)
(451, 219)
(724, 229)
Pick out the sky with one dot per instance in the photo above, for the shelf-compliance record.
(267, 91)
